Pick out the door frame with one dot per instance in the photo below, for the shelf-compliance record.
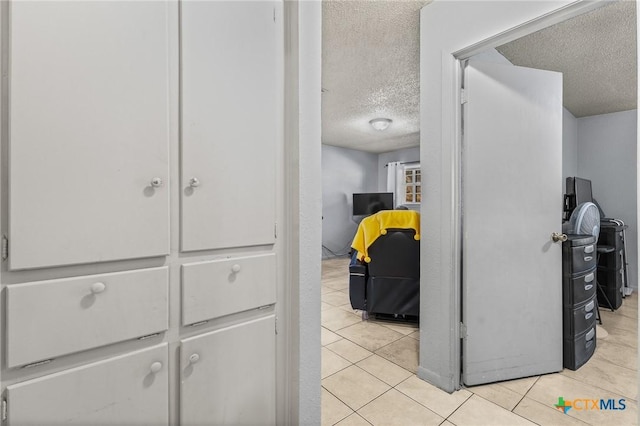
(451, 32)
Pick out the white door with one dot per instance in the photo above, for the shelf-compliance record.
(231, 122)
(131, 389)
(88, 132)
(228, 376)
(512, 202)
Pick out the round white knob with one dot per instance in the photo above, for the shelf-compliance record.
(194, 358)
(194, 182)
(156, 366)
(156, 182)
(98, 287)
(236, 268)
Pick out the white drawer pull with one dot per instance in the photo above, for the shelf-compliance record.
(98, 287)
(194, 358)
(155, 367)
(156, 182)
(236, 268)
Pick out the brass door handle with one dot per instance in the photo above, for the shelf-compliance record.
(558, 237)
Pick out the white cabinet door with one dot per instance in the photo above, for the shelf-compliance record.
(88, 132)
(231, 122)
(132, 389)
(228, 376)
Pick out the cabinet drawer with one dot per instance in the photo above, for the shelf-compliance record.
(578, 288)
(132, 389)
(221, 287)
(583, 258)
(577, 351)
(581, 318)
(47, 319)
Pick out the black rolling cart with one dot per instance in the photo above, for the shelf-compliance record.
(612, 263)
(579, 303)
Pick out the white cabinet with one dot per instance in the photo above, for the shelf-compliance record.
(228, 376)
(119, 113)
(46, 319)
(88, 132)
(216, 288)
(131, 389)
(231, 122)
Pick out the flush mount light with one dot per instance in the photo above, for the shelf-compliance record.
(380, 123)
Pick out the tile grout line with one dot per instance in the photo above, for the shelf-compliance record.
(508, 411)
(525, 395)
(615, 363)
(413, 399)
(377, 397)
(459, 406)
(336, 397)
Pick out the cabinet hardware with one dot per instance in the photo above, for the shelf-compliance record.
(194, 182)
(236, 268)
(98, 287)
(156, 367)
(156, 182)
(5, 247)
(463, 331)
(275, 230)
(37, 364)
(194, 358)
(150, 336)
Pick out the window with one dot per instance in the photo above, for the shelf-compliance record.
(412, 185)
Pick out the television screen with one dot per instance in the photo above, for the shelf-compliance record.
(373, 202)
(583, 191)
(578, 191)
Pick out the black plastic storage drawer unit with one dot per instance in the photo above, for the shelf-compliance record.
(578, 350)
(578, 254)
(579, 269)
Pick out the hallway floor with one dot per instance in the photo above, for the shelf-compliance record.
(368, 374)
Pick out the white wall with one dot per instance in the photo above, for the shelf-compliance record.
(607, 156)
(569, 146)
(344, 172)
(303, 148)
(403, 155)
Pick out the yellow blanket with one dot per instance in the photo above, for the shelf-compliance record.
(377, 224)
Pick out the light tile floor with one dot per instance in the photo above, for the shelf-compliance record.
(368, 374)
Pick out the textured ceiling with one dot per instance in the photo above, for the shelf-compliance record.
(597, 54)
(370, 67)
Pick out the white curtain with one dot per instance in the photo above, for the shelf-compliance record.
(395, 174)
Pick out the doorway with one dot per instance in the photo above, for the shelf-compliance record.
(440, 114)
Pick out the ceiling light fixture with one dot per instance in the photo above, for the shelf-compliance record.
(380, 123)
